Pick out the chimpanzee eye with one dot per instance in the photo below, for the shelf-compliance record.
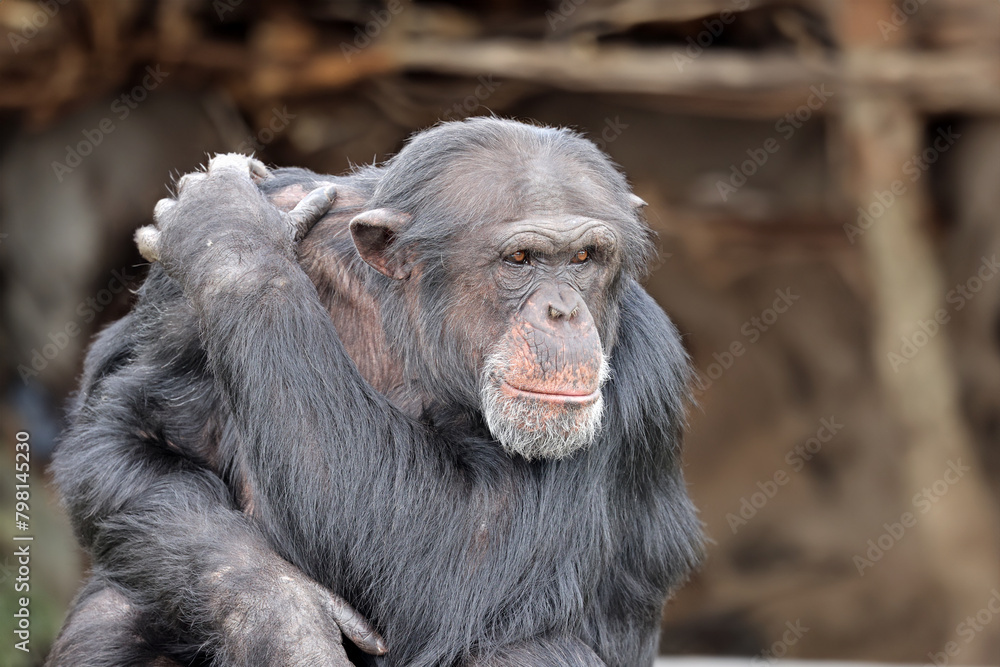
(519, 257)
(581, 256)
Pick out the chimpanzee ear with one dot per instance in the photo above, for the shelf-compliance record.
(374, 233)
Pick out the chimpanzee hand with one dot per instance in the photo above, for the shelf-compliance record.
(274, 615)
(212, 234)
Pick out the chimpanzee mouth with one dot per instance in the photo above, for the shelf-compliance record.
(552, 423)
(568, 397)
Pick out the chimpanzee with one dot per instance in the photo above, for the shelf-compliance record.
(445, 425)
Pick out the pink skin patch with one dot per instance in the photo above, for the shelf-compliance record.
(542, 394)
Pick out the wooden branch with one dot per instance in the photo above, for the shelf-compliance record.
(933, 82)
(724, 82)
(623, 15)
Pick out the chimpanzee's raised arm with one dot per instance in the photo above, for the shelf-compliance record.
(178, 567)
(272, 347)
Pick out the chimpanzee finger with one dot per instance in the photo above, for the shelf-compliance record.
(187, 179)
(355, 626)
(247, 164)
(258, 172)
(148, 240)
(312, 207)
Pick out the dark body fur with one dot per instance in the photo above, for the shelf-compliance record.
(207, 436)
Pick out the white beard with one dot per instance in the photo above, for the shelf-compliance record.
(527, 427)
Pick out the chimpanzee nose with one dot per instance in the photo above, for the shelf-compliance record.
(558, 310)
(564, 306)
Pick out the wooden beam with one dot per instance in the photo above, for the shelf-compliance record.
(933, 82)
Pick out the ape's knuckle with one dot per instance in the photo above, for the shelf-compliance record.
(162, 208)
(236, 161)
(187, 180)
(258, 172)
(147, 240)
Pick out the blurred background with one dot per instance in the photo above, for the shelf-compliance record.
(824, 177)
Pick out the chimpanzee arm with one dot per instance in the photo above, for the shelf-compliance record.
(160, 524)
(296, 396)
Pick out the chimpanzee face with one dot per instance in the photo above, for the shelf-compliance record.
(518, 302)
(509, 262)
(540, 383)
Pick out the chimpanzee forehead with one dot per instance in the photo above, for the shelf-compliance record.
(483, 174)
(553, 233)
(486, 191)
